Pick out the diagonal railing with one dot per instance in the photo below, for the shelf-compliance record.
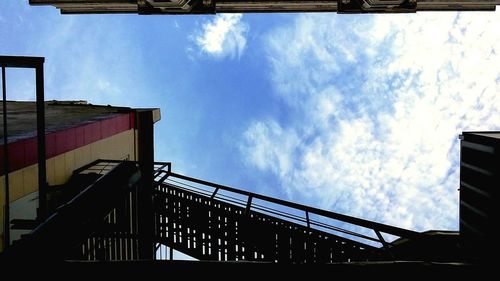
(362, 233)
(202, 219)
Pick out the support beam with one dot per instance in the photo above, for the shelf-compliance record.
(40, 131)
(6, 218)
(37, 64)
(151, 7)
(145, 194)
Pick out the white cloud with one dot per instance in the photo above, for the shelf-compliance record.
(89, 71)
(267, 155)
(378, 103)
(223, 36)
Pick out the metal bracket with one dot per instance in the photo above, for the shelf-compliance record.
(376, 6)
(150, 7)
(384, 243)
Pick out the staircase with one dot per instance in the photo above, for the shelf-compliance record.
(209, 222)
(210, 229)
(212, 222)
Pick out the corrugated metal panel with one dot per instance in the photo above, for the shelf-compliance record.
(479, 183)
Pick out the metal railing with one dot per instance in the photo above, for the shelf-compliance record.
(297, 213)
(98, 223)
(103, 218)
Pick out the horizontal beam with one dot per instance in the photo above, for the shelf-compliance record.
(21, 62)
(147, 7)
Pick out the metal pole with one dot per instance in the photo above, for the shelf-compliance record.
(6, 229)
(146, 219)
(249, 205)
(307, 220)
(40, 122)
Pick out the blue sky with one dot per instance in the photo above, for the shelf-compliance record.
(357, 114)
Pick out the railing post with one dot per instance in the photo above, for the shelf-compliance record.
(6, 229)
(307, 220)
(214, 193)
(249, 205)
(40, 128)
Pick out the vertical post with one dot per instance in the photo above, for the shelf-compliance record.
(214, 193)
(307, 220)
(145, 194)
(40, 127)
(6, 229)
(249, 205)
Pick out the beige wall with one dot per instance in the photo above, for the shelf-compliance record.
(59, 169)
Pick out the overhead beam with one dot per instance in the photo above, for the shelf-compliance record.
(147, 7)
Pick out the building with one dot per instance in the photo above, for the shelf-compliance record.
(479, 183)
(146, 7)
(103, 200)
(77, 133)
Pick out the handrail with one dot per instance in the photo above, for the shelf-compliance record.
(329, 214)
(70, 222)
(165, 169)
(165, 176)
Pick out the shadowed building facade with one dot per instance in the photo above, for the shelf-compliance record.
(264, 6)
(77, 134)
(479, 193)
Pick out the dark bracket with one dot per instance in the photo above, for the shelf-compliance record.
(364, 6)
(196, 7)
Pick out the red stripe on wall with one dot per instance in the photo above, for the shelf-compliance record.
(132, 120)
(30, 151)
(80, 136)
(24, 153)
(16, 155)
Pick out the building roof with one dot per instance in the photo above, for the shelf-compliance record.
(21, 116)
(69, 125)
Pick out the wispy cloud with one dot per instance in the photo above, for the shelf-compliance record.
(224, 35)
(77, 64)
(378, 103)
